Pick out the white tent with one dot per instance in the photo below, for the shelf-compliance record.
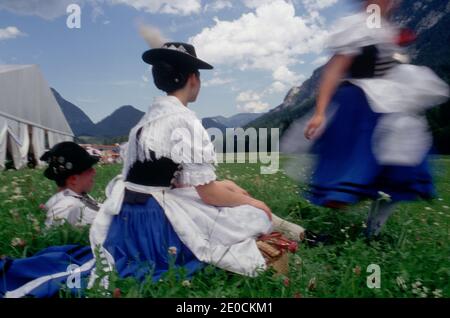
(30, 117)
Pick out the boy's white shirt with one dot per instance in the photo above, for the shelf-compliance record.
(67, 206)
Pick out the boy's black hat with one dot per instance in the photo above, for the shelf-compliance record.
(66, 159)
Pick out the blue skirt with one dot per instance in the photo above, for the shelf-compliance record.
(15, 273)
(346, 170)
(143, 242)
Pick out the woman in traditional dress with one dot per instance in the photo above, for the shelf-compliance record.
(168, 207)
(369, 132)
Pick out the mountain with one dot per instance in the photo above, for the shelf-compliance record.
(238, 120)
(430, 20)
(119, 123)
(298, 101)
(213, 123)
(80, 123)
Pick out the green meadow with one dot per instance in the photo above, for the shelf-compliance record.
(413, 252)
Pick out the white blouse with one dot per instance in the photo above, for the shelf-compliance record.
(172, 130)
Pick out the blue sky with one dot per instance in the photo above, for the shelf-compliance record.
(260, 48)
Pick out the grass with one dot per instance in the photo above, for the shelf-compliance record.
(413, 252)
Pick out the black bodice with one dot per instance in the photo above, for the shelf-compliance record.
(154, 172)
(372, 62)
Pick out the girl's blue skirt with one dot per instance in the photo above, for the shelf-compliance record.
(346, 170)
(143, 242)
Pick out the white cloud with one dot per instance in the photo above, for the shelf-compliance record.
(217, 81)
(247, 96)
(272, 38)
(318, 4)
(250, 102)
(253, 4)
(51, 9)
(321, 60)
(278, 87)
(10, 32)
(177, 7)
(97, 11)
(218, 5)
(47, 9)
(283, 74)
(253, 107)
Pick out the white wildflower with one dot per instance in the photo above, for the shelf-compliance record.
(401, 282)
(417, 284)
(384, 196)
(437, 293)
(172, 250)
(17, 242)
(186, 283)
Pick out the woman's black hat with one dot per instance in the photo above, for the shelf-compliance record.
(176, 53)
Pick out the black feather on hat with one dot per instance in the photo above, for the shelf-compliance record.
(66, 159)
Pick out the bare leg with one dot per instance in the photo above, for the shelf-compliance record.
(290, 230)
(377, 219)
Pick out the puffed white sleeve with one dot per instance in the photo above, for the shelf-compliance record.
(347, 36)
(195, 152)
(352, 33)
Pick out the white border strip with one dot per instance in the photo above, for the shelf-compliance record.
(28, 287)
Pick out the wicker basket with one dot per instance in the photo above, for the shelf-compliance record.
(275, 249)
